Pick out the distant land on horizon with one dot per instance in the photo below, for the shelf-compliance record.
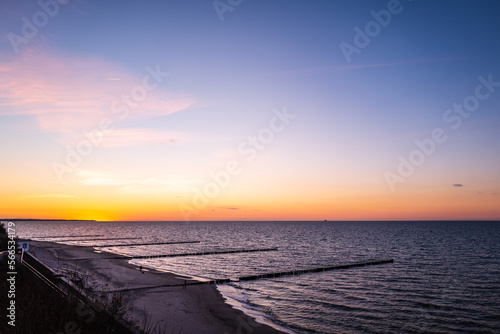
(326, 220)
(46, 220)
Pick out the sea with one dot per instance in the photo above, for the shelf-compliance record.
(445, 277)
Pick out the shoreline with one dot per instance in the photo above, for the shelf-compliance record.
(178, 309)
(259, 316)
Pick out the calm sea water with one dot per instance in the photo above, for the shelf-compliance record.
(445, 277)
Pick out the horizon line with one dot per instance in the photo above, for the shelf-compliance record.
(258, 220)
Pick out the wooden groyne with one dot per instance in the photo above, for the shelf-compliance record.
(215, 281)
(97, 239)
(255, 277)
(69, 236)
(315, 270)
(150, 243)
(198, 253)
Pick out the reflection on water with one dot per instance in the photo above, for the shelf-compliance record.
(445, 278)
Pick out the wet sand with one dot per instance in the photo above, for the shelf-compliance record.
(193, 309)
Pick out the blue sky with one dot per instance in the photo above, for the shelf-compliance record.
(353, 119)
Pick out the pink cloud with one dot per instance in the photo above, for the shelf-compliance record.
(143, 137)
(72, 94)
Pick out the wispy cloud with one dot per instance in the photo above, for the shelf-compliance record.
(143, 137)
(58, 196)
(135, 137)
(136, 185)
(72, 94)
(91, 178)
(354, 67)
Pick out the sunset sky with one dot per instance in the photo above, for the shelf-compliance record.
(250, 110)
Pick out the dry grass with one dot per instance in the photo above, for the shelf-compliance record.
(39, 309)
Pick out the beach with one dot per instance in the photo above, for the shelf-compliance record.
(442, 271)
(176, 309)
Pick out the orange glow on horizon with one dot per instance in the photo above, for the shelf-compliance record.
(50, 200)
(335, 211)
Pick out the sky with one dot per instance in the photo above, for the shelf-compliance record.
(250, 110)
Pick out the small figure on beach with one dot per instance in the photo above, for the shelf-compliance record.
(140, 268)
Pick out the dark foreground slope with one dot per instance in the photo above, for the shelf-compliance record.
(41, 309)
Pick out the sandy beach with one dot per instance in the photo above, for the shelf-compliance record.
(177, 309)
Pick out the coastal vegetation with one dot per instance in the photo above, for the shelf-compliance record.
(42, 309)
